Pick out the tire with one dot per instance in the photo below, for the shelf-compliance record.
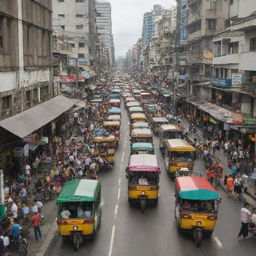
(209, 234)
(23, 248)
(143, 203)
(198, 235)
(177, 226)
(155, 202)
(76, 241)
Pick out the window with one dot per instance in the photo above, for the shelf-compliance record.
(211, 23)
(6, 102)
(62, 27)
(79, 27)
(72, 45)
(233, 48)
(81, 45)
(61, 15)
(1, 34)
(80, 1)
(80, 55)
(253, 44)
(79, 15)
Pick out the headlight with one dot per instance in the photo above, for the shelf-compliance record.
(75, 228)
(199, 223)
(143, 193)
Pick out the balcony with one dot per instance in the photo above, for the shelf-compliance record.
(194, 35)
(226, 59)
(247, 61)
(192, 17)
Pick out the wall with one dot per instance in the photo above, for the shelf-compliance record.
(7, 81)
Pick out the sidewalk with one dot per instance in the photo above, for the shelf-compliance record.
(220, 157)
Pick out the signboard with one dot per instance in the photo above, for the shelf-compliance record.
(221, 82)
(236, 79)
(213, 121)
(26, 150)
(72, 62)
(237, 118)
(71, 79)
(250, 121)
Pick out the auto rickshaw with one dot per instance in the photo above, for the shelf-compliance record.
(116, 91)
(114, 118)
(114, 111)
(139, 125)
(196, 207)
(145, 97)
(79, 210)
(142, 148)
(132, 104)
(113, 127)
(169, 131)
(114, 96)
(135, 110)
(156, 122)
(143, 180)
(115, 102)
(178, 153)
(138, 117)
(105, 147)
(141, 135)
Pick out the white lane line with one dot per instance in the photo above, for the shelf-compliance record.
(119, 182)
(112, 240)
(218, 242)
(116, 211)
(118, 194)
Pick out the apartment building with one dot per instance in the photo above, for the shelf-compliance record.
(25, 55)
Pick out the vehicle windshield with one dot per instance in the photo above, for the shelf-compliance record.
(172, 135)
(205, 206)
(143, 178)
(141, 139)
(181, 156)
(74, 210)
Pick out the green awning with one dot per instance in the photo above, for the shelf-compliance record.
(79, 191)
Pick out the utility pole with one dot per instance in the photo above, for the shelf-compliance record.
(2, 205)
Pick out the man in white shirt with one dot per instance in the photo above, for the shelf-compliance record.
(143, 181)
(65, 214)
(14, 210)
(245, 217)
(34, 208)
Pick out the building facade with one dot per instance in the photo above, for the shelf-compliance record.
(25, 55)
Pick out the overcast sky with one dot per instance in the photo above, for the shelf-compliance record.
(127, 18)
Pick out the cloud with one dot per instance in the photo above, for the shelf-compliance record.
(127, 19)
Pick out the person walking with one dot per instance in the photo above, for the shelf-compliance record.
(36, 225)
(245, 217)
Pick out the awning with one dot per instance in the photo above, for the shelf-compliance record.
(90, 70)
(34, 118)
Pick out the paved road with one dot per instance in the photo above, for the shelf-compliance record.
(125, 231)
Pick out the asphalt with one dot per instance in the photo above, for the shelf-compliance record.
(125, 231)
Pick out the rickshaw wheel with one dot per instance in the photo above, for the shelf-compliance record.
(130, 201)
(209, 234)
(155, 202)
(76, 241)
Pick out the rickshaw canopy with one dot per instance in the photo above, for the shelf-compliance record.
(179, 145)
(170, 127)
(159, 119)
(111, 123)
(114, 101)
(114, 96)
(138, 116)
(143, 163)
(142, 146)
(133, 104)
(195, 188)
(83, 190)
(140, 125)
(135, 109)
(116, 91)
(114, 110)
(141, 132)
(101, 139)
(114, 118)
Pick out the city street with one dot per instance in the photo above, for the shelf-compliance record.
(126, 231)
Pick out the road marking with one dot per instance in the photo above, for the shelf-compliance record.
(112, 240)
(118, 194)
(119, 182)
(123, 157)
(102, 203)
(116, 211)
(218, 242)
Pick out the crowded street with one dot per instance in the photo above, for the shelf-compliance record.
(126, 231)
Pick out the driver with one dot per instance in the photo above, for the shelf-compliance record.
(143, 181)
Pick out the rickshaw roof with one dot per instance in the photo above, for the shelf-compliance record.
(129, 98)
(144, 93)
(114, 110)
(103, 139)
(179, 145)
(112, 101)
(143, 162)
(195, 188)
(142, 145)
(159, 119)
(116, 91)
(170, 127)
(138, 115)
(114, 117)
(114, 96)
(141, 132)
(111, 123)
(96, 100)
(140, 125)
(139, 109)
(83, 190)
(133, 104)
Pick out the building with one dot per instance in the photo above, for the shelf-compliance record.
(77, 21)
(25, 55)
(104, 28)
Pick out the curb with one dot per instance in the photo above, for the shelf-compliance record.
(48, 241)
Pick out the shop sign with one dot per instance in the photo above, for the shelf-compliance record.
(32, 138)
(250, 121)
(72, 62)
(253, 139)
(221, 82)
(237, 80)
(237, 118)
(226, 127)
(213, 121)
(71, 79)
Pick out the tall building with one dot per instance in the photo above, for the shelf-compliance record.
(25, 55)
(76, 20)
(104, 27)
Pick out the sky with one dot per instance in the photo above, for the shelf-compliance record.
(127, 18)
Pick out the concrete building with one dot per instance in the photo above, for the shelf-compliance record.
(77, 20)
(104, 28)
(25, 55)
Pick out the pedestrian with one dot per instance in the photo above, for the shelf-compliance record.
(233, 170)
(230, 186)
(238, 188)
(14, 209)
(245, 216)
(36, 225)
